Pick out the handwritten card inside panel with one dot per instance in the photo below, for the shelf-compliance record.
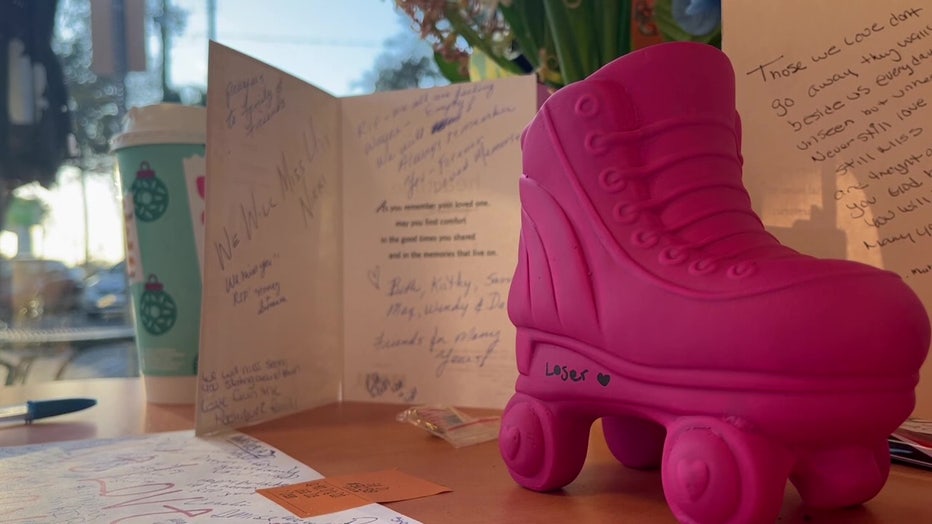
(166, 477)
(431, 225)
(836, 100)
(271, 334)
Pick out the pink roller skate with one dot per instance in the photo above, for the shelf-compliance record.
(648, 293)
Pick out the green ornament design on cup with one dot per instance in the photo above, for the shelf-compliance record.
(157, 309)
(150, 195)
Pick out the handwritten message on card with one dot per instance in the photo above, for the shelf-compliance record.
(431, 217)
(358, 248)
(837, 141)
(167, 477)
(271, 331)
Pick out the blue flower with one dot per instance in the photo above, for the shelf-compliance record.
(697, 17)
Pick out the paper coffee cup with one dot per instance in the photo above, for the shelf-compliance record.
(160, 154)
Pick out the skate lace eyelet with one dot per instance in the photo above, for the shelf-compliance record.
(611, 180)
(595, 143)
(626, 213)
(703, 266)
(672, 255)
(587, 105)
(644, 238)
(741, 270)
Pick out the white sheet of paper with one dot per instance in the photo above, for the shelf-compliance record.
(836, 99)
(431, 222)
(163, 477)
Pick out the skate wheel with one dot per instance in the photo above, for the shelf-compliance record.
(636, 443)
(841, 477)
(543, 451)
(714, 472)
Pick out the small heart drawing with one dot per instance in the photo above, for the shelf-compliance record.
(693, 476)
(374, 275)
(604, 379)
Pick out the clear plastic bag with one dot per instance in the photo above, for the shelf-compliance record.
(451, 424)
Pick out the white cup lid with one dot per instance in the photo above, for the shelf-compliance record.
(162, 124)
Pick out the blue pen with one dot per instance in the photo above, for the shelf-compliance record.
(36, 409)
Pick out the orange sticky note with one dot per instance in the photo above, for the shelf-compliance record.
(310, 499)
(389, 485)
(319, 497)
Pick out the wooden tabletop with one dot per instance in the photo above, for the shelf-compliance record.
(356, 437)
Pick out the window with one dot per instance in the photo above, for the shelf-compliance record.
(64, 302)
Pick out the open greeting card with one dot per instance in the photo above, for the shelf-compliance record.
(356, 248)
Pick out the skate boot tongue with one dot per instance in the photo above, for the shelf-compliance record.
(672, 80)
(687, 141)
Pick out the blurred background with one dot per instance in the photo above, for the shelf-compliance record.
(64, 309)
(72, 68)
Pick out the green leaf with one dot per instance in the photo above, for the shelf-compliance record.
(450, 70)
(528, 24)
(609, 28)
(624, 30)
(573, 38)
(461, 27)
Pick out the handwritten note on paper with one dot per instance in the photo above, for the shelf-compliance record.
(271, 333)
(310, 499)
(167, 477)
(389, 485)
(317, 497)
(431, 219)
(836, 100)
